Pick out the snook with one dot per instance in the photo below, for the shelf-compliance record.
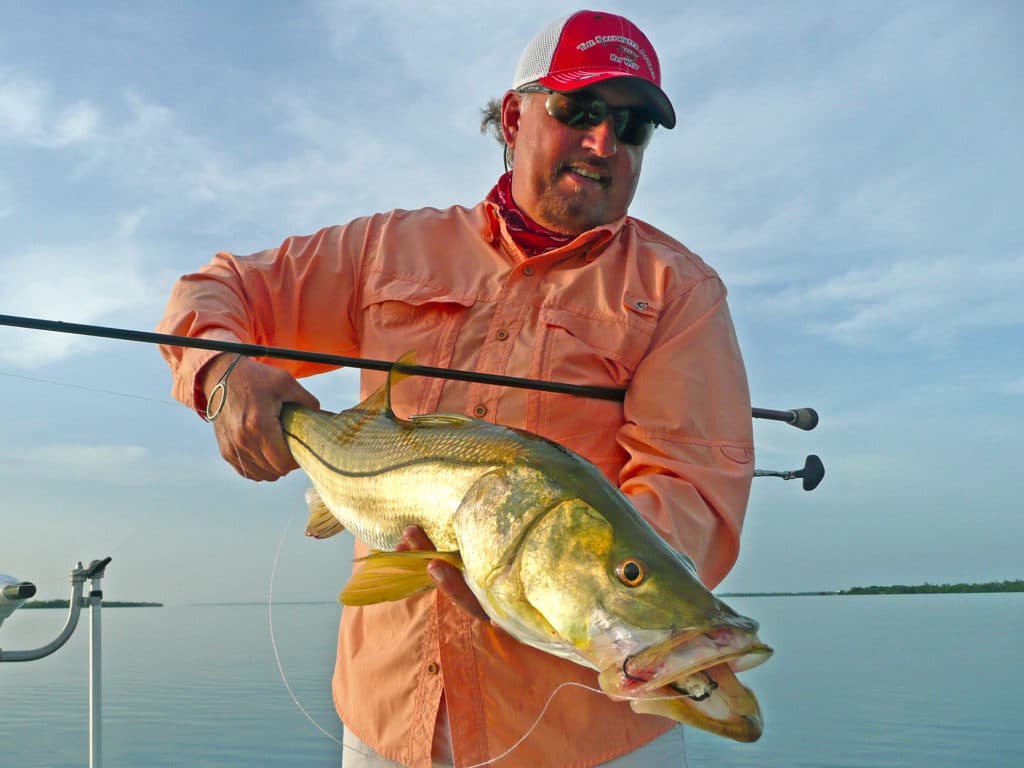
(557, 556)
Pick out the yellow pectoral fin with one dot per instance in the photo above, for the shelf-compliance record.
(322, 523)
(387, 576)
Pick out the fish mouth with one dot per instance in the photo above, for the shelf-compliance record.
(691, 678)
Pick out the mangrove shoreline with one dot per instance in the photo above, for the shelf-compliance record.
(987, 587)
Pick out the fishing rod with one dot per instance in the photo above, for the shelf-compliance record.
(812, 473)
(801, 418)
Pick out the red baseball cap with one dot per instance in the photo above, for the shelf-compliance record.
(591, 46)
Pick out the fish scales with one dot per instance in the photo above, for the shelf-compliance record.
(393, 476)
(557, 556)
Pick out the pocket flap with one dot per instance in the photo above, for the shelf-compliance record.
(618, 340)
(380, 288)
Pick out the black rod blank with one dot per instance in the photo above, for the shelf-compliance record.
(802, 418)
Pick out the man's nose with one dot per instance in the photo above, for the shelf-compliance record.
(600, 139)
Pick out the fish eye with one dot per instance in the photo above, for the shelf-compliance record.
(631, 572)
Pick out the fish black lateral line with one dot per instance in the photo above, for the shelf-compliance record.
(556, 555)
(653, 673)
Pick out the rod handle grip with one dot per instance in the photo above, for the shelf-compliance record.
(22, 591)
(804, 418)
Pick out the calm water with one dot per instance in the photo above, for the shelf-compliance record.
(858, 682)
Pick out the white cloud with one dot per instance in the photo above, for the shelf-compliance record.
(128, 223)
(30, 115)
(853, 139)
(838, 162)
(58, 281)
(927, 300)
(103, 462)
(6, 200)
(787, 168)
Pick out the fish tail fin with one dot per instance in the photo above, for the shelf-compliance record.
(322, 523)
(388, 576)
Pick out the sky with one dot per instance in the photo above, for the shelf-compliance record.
(852, 170)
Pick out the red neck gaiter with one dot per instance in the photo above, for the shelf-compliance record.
(528, 234)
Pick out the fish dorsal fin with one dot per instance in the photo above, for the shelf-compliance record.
(442, 420)
(387, 576)
(396, 374)
(380, 400)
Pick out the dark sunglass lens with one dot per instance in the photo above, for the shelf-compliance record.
(574, 111)
(561, 108)
(597, 111)
(636, 131)
(622, 119)
(583, 111)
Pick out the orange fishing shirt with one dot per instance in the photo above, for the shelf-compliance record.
(622, 305)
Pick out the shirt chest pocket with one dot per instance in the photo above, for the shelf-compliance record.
(399, 315)
(583, 349)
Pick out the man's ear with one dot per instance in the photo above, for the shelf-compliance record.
(510, 115)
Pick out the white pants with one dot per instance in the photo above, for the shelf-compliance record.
(667, 751)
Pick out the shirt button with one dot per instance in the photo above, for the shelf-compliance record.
(501, 335)
(480, 411)
(528, 270)
(433, 667)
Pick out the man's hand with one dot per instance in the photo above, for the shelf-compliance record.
(447, 577)
(248, 427)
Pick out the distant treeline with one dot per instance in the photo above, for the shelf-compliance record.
(106, 604)
(1012, 585)
(773, 594)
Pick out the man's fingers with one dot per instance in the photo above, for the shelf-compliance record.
(303, 396)
(252, 442)
(448, 578)
(413, 538)
(450, 581)
(248, 424)
(244, 463)
(276, 452)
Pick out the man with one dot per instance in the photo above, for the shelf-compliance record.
(546, 278)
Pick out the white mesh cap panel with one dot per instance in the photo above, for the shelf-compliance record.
(535, 62)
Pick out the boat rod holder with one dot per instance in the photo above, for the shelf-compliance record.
(94, 572)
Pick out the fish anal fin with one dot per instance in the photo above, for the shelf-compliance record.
(389, 576)
(322, 523)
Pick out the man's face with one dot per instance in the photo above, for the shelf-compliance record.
(571, 179)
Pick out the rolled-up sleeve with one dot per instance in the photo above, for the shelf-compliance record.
(299, 295)
(688, 431)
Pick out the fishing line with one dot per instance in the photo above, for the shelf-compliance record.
(137, 529)
(284, 678)
(273, 575)
(132, 534)
(544, 710)
(536, 722)
(273, 640)
(112, 392)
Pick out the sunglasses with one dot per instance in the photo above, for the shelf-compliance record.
(582, 110)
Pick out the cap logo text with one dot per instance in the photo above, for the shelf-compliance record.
(628, 48)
